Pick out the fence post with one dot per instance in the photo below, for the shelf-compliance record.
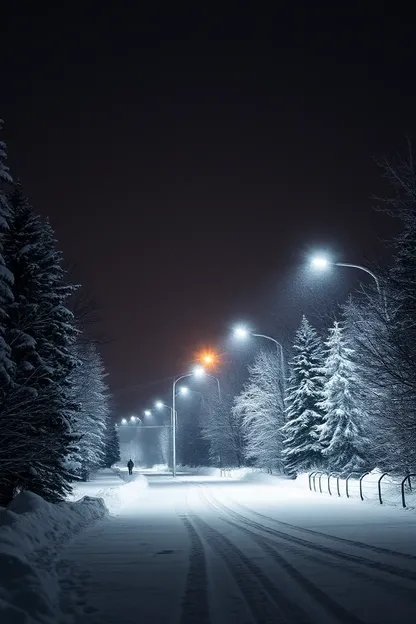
(403, 482)
(314, 477)
(309, 478)
(379, 487)
(346, 484)
(361, 485)
(333, 474)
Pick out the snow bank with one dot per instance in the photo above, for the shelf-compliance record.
(122, 497)
(32, 530)
(102, 479)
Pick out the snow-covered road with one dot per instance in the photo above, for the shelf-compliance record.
(203, 550)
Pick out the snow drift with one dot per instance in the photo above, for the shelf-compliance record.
(121, 497)
(32, 533)
(32, 530)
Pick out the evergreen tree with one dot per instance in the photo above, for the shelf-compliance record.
(260, 408)
(38, 434)
(6, 276)
(342, 436)
(90, 392)
(302, 447)
(112, 445)
(367, 333)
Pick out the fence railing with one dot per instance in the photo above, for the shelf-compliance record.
(359, 477)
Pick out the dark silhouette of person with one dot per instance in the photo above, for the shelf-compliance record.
(130, 466)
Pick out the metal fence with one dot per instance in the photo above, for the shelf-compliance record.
(315, 480)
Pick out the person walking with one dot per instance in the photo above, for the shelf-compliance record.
(130, 466)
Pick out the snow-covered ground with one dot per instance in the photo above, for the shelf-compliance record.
(207, 549)
(34, 531)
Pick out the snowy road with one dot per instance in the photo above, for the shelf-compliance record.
(200, 550)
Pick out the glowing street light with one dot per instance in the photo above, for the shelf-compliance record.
(208, 358)
(124, 421)
(198, 371)
(159, 405)
(321, 263)
(133, 418)
(147, 413)
(183, 390)
(241, 332)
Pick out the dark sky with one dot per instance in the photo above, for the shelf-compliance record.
(190, 161)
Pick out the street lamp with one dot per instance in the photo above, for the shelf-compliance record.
(198, 371)
(124, 421)
(147, 413)
(321, 263)
(243, 333)
(183, 390)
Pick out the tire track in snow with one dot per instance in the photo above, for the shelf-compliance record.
(266, 603)
(342, 540)
(336, 610)
(195, 603)
(375, 565)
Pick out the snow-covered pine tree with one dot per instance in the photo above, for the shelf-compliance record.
(112, 445)
(301, 446)
(260, 408)
(42, 331)
(90, 392)
(342, 434)
(21, 414)
(367, 333)
(6, 276)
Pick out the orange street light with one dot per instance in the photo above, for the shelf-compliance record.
(208, 358)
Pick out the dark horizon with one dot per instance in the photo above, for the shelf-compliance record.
(189, 164)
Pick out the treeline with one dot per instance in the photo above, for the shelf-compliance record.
(55, 423)
(348, 402)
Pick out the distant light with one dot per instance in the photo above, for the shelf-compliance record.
(320, 263)
(133, 418)
(184, 390)
(208, 357)
(124, 421)
(241, 332)
(147, 413)
(199, 371)
(158, 405)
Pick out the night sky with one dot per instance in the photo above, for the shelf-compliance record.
(190, 162)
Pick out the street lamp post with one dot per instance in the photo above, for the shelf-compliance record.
(322, 262)
(198, 371)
